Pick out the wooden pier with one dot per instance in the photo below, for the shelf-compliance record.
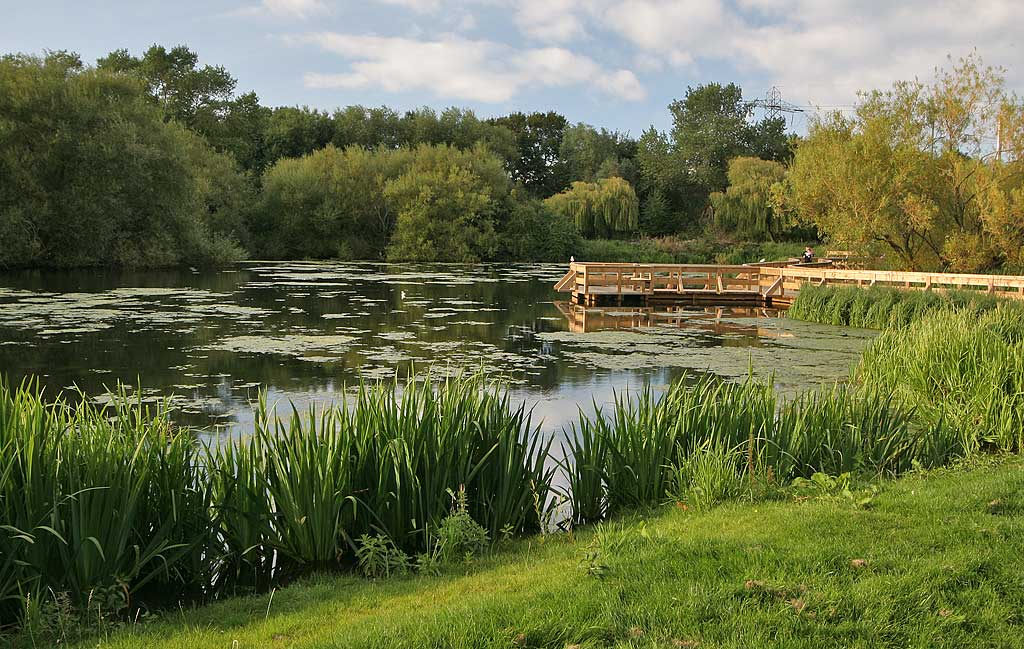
(773, 284)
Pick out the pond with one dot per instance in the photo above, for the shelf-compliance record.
(303, 331)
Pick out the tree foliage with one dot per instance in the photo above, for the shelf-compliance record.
(604, 209)
(446, 205)
(590, 154)
(745, 209)
(156, 155)
(926, 174)
(538, 141)
(328, 204)
(90, 174)
(711, 125)
(199, 97)
(428, 203)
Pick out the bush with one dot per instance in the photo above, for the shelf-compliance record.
(532, 232)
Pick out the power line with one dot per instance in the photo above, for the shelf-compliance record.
(774, 105)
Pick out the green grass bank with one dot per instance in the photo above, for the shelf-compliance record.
(932, 560)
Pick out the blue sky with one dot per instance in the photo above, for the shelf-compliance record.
(610, 63)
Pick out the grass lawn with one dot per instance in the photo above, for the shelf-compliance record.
(935, 560)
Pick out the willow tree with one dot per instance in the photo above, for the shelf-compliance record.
(927, 175)
(745, 208)
(605, 209)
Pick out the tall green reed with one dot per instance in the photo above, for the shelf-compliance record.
(115, 498)
(94, 498)
(961, 370)
(880, 307)
(648, 449)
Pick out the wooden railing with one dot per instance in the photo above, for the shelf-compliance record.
(776, 281)
(768, 280)
(651, 279)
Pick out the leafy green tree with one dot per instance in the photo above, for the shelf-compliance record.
(590, 154)
(200, 97)
(328, 204)
(295, 132)
(667, 176)
(534, 232)
(240, 129)
(711, 125)
(447, 205)
(927, 175)
(90, 174)
(603, 209)
(656, 216)
(369, 128)
(537, 164)
(187, 92)
(429, 203)
(745, 209)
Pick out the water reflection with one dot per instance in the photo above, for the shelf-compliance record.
(302, 331)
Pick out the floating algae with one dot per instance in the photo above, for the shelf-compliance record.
(303, 330)
(297, 345)
(397, 335)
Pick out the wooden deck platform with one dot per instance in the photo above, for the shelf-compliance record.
(773, 284)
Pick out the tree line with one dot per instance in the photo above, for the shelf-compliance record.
(156, 159)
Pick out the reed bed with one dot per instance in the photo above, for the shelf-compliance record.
(114, 504)
(963, 372)
(647, 450)
(880, 307)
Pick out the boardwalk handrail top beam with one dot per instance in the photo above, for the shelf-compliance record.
(607, 266)
(898, 277)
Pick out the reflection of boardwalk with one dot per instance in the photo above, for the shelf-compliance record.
(583, 319)
(769, 284)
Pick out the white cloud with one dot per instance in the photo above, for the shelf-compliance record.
(459, 68)
(623, 83)
(553, 21)
(825, 57)
(467, 23)
(817, 51)
(296, 8)
(419, 6)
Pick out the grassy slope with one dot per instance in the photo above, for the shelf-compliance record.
(944, 569)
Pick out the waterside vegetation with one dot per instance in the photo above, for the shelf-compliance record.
(119, 507)
(115, 507)
(882, 307)
(224, 177)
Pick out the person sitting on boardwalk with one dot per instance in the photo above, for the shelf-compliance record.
(808, 255)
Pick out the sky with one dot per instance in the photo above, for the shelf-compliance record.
(611, 63)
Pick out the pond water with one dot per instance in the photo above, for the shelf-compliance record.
(210, 340)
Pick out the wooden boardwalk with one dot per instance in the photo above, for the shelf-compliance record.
(773, 284)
